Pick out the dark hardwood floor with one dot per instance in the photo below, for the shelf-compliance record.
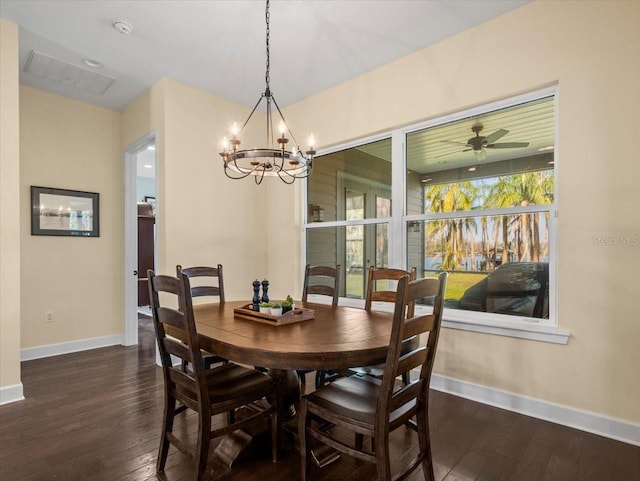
(95, 415)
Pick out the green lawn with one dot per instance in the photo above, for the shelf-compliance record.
(457, 284)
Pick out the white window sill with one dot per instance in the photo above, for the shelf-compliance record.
(514, 327)
(501, 325)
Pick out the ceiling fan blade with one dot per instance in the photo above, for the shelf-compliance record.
(507, 145)
(498, 134)
(451, 153)
(454, 143)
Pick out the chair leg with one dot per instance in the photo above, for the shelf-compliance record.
(424, 441)
(305, 447)
(406, 378)
(320, 373)
(383, 463)
(204, 437)
(167, 426)
(275, 434)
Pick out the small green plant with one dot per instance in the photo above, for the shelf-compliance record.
(276, 306)
(287, 304)
(265, 304)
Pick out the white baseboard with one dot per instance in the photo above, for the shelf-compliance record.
(38, 352)
(619, 429)
(10, 394)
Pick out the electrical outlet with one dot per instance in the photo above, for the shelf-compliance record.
(49, 316)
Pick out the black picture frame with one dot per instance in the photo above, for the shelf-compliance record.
(64, 212)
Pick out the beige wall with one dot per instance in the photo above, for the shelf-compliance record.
(73, 145)
(208, 218)
(9, 208)
(588, 49)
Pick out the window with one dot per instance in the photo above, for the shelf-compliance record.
(484, 189)
(353, 189)
(478, 199)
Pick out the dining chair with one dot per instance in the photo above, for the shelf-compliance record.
(372, 407)
(385, 276)
(322, 280)
(383, 293)
(208, 392)
(210, 273)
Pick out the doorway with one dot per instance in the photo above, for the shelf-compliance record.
(140, 206)
(364, 245)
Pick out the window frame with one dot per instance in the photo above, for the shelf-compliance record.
(545, 330)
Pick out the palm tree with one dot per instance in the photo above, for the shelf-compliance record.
(530, 188)
(452, 197)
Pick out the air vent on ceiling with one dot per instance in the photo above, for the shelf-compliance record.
(59, 71)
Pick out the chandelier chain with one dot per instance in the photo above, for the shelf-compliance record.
(267, 15)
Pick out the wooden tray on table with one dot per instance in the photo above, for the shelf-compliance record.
(295, 315)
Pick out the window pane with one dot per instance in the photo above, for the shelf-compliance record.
(339, 178)
(355, 248)
(496, 264)
(473, 154)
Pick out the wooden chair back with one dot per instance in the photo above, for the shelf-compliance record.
(204, 290)
(386, 295)
(182, 341)
(330, 274)
(413, 397)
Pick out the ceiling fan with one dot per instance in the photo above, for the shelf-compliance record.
(479, 142)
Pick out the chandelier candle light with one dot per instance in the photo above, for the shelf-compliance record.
(271, 161)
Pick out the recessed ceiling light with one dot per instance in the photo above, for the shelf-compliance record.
(92, 63)
(151, 147)
(551, 162)
(548, 147)
(148, 166)
(123, 27)
(472, 169)
(428, 179)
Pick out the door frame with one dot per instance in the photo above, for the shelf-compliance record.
(371, 190)
(130, 281)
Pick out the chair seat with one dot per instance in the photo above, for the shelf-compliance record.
(232, 381)
(377, 370)
(355, 398)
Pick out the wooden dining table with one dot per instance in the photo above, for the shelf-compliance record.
(336, 338)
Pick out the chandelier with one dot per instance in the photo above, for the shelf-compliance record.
(272, 160)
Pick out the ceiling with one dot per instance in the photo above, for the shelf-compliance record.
(146, 162)
(442, 152)
(219, 46)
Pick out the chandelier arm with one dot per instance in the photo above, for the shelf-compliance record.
(270, 143)
(242, 172)
(226, 172)
(293, 137)
(283, 179)
(259, 177)
(255, 107)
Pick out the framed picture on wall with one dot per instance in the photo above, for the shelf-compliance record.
(64, 212)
